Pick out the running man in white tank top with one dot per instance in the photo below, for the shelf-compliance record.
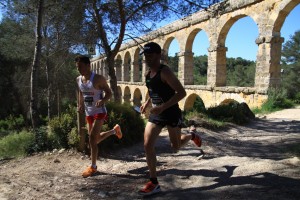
(94, 92)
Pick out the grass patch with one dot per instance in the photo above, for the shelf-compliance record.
(16, 144)
(276, 102)
(203, 120)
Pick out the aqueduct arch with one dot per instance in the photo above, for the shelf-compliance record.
(269, 15)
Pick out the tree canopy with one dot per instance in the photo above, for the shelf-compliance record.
(65, 29)
(291, 66)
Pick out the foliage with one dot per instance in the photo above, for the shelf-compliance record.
(240, 72)
(15, 34)
(173, 63)
(111, 23)
(16, 144)
(131, 123)
(56, 72)
(200, 70)
(194, 117)
(67, 27)
(130, 19)
(229, 112)
(61, 127)
(40, 142)
(290, 50)
(198, 106)
(12, 123)
(73, 138)
(290, 64)
(276, 101)
(297, 98)
(218, 117)
(62, 132)
(14, 59)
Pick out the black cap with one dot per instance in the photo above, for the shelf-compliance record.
(151, 47)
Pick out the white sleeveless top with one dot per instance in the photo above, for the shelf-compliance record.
(91, 96)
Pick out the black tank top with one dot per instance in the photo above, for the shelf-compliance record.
(160, 92)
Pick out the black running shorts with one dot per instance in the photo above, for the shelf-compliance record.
(173, 120)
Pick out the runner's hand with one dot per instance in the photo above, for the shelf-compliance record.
(99, 103)
(80, 109)
(143, 108)
(156, 110)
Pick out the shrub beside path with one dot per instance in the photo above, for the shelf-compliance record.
(242, 162)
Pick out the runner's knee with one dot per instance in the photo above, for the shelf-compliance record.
(148, 146)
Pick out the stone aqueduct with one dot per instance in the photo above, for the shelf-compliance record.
(269, 15)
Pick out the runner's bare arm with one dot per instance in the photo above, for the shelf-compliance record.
(80, 102)
(101, 84)
(169, 77)
(145, 105)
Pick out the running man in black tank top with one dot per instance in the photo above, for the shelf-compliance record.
(165, 91)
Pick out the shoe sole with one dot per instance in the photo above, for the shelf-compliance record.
(93, 174)
(120, 137)
(120, 132)
(201, 155)
(150, 193)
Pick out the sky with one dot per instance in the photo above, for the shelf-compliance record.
(241, 38)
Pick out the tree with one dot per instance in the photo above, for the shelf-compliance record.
(35, 65)
(61, 22)
(291, 66)
(110, 23)
(15, 34)
(240, 72)
(66, 27)
(200, 70)
(59, 36)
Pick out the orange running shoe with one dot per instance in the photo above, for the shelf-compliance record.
(150, 189)
(118, 130)
(90, 171)
(197, 140)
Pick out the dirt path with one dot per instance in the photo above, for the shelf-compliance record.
(240, 163)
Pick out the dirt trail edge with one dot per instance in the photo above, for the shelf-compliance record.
(243, 162)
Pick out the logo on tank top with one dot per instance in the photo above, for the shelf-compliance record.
(88, 101)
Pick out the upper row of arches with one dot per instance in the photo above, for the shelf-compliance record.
(216, 32)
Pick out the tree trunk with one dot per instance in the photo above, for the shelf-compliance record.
(48, 88)
(35, 66)
(113, 78)
(81, 127)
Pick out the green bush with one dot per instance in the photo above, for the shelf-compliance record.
(73, 138)
(62, 133)
(40, 142)
(276, 101)
(11, 123)
(131, 123)
(296, 100)
(16, 144)
(60, 128)
(197, 118)
(216, 117)
(228, 113)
